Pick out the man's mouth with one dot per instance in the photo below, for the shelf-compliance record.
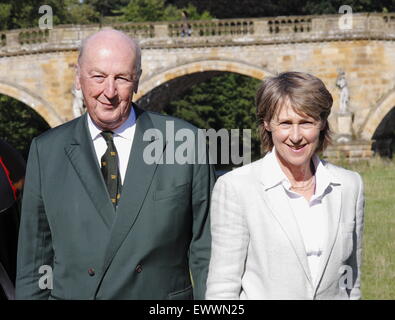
(106, 104)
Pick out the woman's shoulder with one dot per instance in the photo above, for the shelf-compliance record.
(345, 176)
(245, 174)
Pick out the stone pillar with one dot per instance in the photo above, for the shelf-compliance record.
(13, 39)
(161, 31)
(344, 127)
(261, 27)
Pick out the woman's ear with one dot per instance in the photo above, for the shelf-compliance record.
(266, 124)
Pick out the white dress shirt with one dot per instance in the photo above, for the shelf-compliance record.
(309, 214)
(123, 139)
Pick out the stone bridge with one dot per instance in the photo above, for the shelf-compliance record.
(37, 66)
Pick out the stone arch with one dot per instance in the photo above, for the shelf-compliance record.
(375, 117)
(200, 66)
(35, 102)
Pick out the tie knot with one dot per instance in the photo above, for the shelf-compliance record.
(107, 135)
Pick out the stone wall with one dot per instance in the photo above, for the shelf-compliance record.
(37, 67)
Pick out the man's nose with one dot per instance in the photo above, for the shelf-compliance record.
(110, 91)
(295, 134)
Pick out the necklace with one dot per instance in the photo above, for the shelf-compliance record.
(306, 186)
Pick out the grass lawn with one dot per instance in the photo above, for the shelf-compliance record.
(378, 270)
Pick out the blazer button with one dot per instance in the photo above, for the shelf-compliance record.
(91, 272)
(139, 268)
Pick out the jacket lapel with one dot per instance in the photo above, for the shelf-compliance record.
(277, 201)
(80, 151)
(280, 208)
(137, 181)
(332, 209)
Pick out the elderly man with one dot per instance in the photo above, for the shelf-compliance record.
(99, 221)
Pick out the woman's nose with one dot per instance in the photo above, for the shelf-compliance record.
(295, 134)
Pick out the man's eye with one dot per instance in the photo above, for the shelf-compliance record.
(122, 79)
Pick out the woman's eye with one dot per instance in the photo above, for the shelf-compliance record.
(307, 124)
(285, 126)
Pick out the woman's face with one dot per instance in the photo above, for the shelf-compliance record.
(295, 137)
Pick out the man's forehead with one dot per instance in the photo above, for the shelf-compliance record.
(105, 58)
(108, 42)
(108, 48)
(109, 36)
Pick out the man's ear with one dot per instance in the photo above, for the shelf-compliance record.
(77, 83)
(136, 81)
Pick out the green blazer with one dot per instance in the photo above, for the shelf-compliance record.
(158, 238)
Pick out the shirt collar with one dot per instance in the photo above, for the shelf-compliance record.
(124, 131)
(275, 176)
(323, 177)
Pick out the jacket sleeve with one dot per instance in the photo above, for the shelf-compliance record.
(359, 217)
(200, 247)
(35, 254)
(229, 245)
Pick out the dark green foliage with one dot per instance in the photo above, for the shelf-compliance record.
(17, 14)
(19, 124)
(107, 7)
(158, 10)
(225, 101)
(222, 9)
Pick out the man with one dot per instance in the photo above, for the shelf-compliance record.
(105, 229)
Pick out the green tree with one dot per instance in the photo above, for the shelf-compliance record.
(5, 12)
(222, 9)
(106, 7)
(157, 10)
(19, 124)
(24, 13)
(81, 13)
(225, 101)
(332, 6)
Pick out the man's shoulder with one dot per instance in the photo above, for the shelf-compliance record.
(61, 132)
(163, 121)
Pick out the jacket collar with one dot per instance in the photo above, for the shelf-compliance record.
(277, 176)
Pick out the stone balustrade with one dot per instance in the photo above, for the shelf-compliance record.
(213, 32)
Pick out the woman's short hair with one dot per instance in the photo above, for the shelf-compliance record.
(304, 92)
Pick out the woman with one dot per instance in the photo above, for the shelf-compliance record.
(288, 226)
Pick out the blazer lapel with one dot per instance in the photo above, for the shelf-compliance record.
(332, 208)
(277, 200)
(138, 178)
(281, 210)
(82, 156)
